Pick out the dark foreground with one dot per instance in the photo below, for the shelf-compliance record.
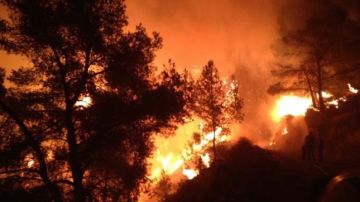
(248, 173)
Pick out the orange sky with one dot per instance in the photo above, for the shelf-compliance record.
(234, 33)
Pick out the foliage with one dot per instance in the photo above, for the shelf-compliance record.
(51, 138)
(217, 103)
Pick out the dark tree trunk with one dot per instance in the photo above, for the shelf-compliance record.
(214, 142)
(320, 88)
(310, 88)
(74, 161)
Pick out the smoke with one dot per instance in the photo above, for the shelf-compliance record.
(236, 34)
(295, 13)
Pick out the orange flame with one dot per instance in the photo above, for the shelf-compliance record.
(179, 152)
(290, 105)
(190, 173)
(352, 89)
(83, 102)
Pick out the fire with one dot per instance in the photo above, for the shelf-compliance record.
(84, 102)
(290, 105)
(285, 131)
(190, 173)
(297, 106)
(186, 154)
(169, 163)
(205, 158)
(50, 155)
(352, 89)
(30, 163)
(326, 94)
(29, 160)
(181, 153)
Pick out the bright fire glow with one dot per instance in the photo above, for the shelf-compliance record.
(30, 163)
(285, 131)
(169, 159)
(84, 102)
(352, 89)
(190, 173)
(50, 155)
(326, 94)
(29, 160)
(188, 151)
(205, 158)
(170, 163)
(290, 105)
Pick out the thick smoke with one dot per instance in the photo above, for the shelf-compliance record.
(295, 13)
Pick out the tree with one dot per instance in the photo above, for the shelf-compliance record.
(215, 103)
(318, 56)
(77, 122)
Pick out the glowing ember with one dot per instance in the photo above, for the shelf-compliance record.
(290, 105)
(84, 102)
(29, 160)
(30, 163)
(205, 158)
(326, 94)
(50, 155)
(352, 89)
(190, 173)
(285, 131)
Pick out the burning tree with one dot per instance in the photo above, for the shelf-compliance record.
(318, 56)
(216, 102)
(76, 123)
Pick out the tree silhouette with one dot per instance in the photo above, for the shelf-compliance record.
(77, 122)
(216, 103)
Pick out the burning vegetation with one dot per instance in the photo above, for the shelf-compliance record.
(90, 117)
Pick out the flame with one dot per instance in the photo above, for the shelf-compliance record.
(290, 105)
(326, 94)
(30, 163)
(352, 89)
(170, 163)
(190, 173)
(186, 153)
(29, 160)
(285, 131)
(84, 102)
(50, 155)
(297, 106)
(180, 153)
(205, 158)
(210, 136)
